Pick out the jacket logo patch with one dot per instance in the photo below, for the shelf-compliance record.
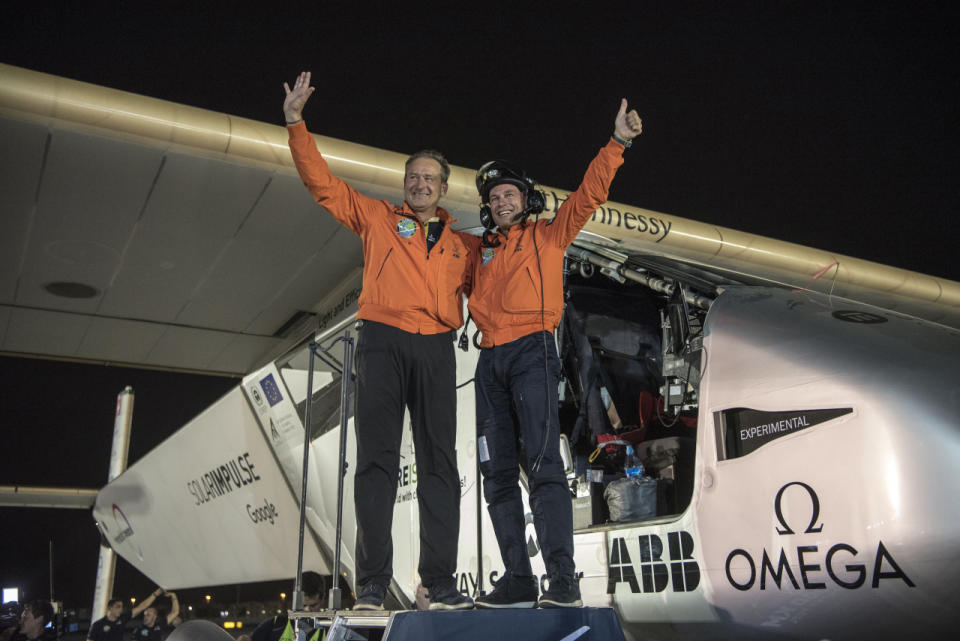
(487, 255)
(406, 228)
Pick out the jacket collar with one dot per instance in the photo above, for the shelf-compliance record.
(513, 230)
(442, 214)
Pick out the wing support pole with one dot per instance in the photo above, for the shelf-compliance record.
(107, 562)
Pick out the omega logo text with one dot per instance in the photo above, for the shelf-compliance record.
(840, 561)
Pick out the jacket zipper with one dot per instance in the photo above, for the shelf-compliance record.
(439, 268)
(423, 235)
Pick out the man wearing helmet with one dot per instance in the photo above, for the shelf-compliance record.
(517, 301)
(410, 304)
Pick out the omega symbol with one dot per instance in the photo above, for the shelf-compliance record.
(814, 515)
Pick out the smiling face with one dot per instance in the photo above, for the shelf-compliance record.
(506, 202)
(423, 186)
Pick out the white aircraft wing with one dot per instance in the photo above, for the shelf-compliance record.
(144, 232)
(199, 249)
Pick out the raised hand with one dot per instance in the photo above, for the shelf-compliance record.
(627, 125)
(297, 97)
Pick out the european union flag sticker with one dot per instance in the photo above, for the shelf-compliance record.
(270, 390)
(406, 228)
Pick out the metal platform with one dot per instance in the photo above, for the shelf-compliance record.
(562, 624)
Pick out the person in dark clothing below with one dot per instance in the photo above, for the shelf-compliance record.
(517, 302)
(34, 619)
(153, 626)
(111, 626)
(280, 628)
(414, 277)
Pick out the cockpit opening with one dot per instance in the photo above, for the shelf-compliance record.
(631, 345)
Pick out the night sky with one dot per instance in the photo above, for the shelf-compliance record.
(57, 431)
(828, 124)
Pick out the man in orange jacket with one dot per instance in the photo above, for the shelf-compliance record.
(517, 301)
(411, 303)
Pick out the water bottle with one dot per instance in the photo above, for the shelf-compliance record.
(632, 465)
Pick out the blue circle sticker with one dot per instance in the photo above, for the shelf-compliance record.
(406, 228)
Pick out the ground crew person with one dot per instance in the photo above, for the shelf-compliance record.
(517, 302)
(280, 628)
(34, 619)
(152, 626)
(111, 627)
(410, 304)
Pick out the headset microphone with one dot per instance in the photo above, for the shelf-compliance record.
(486, 217)
(498, 172)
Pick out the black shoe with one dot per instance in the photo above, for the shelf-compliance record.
(449, 598)
(511, 592)
(564, 592)
(371, 597)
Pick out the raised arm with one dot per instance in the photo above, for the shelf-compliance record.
(595, 187)
(297, 98)
(347, 205)
(146, 603)
(174, 607)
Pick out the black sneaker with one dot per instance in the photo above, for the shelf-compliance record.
(449, 598)
(564, 592)
(511, 592)
(371, 597)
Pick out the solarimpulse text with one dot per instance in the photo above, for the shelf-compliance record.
(231, 475)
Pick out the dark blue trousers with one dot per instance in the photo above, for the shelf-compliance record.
(517, 426)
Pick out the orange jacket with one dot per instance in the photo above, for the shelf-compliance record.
(403, 285)
(506, 302)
